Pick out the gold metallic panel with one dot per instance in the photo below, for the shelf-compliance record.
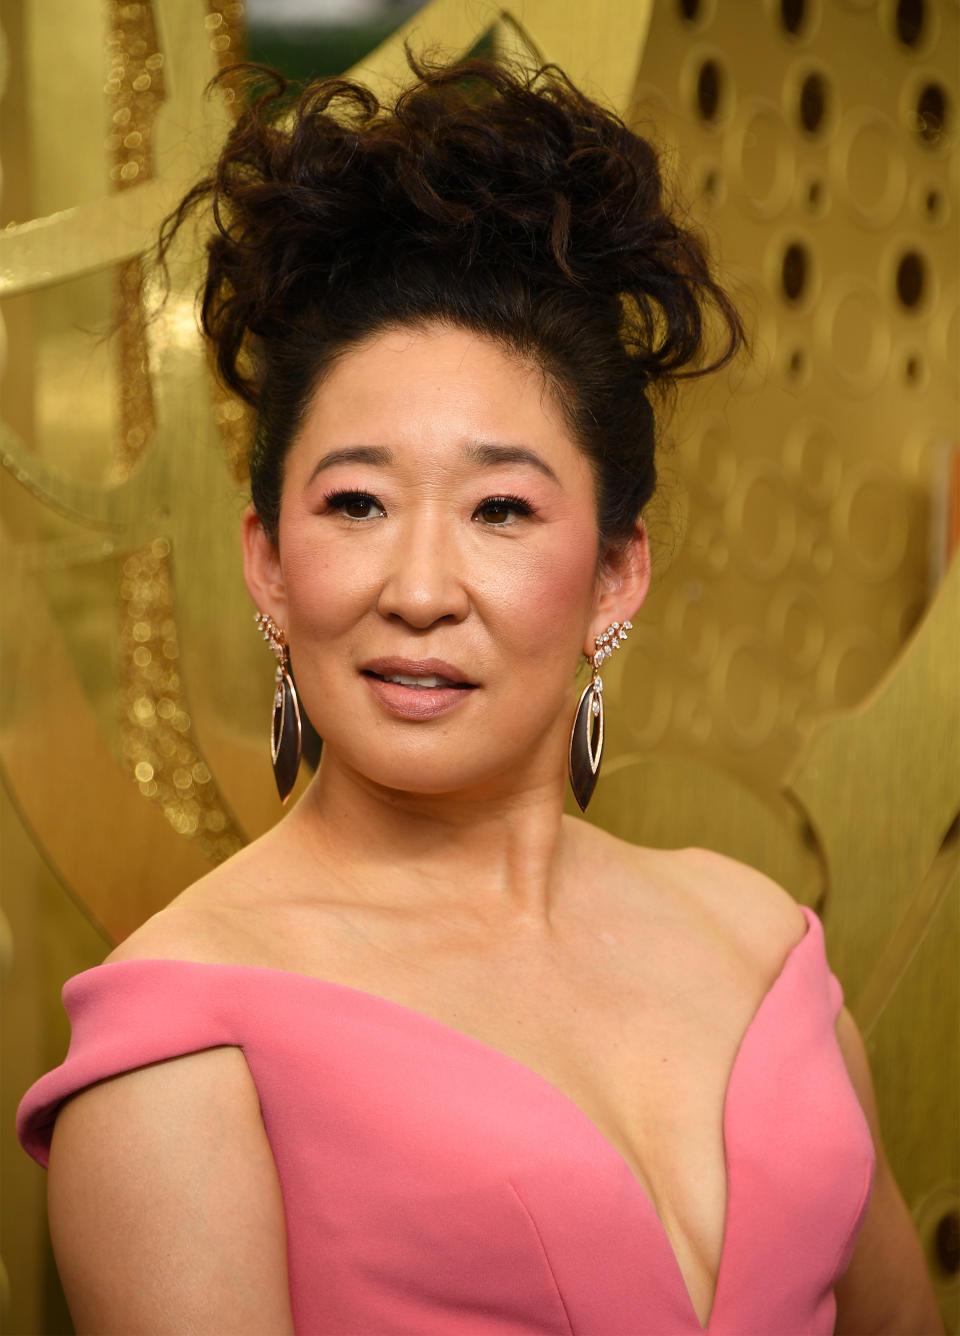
(788, 694)
(880, 784)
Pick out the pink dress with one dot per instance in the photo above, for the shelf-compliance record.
(434, 1186)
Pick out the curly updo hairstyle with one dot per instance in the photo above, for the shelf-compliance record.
(498, 200)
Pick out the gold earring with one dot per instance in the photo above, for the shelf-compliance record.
(586, 736)
(286, 734)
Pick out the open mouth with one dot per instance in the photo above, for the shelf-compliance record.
(417, 689)
(427, 682)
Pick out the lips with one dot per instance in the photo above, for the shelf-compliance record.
(417, 689)
(425, 672)
(420, 682)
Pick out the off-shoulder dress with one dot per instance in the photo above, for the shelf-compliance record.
(434, 1186)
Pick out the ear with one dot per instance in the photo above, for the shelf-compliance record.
(261, 568)
(622, 584)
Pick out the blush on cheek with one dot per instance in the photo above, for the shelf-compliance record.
(555, 590)
(326, 584)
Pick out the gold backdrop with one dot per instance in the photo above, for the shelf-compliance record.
(791, 692)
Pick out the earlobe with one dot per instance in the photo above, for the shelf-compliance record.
(261, 567)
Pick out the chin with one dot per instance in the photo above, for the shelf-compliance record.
(445, 772)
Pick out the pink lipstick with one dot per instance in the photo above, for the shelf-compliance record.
(417, 689)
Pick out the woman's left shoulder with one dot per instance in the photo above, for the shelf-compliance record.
(743, 903)
(754, 911)
(741, 891)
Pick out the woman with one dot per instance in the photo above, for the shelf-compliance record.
(429, 1056)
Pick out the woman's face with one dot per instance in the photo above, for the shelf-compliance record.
(436, 574)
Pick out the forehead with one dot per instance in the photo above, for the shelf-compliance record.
(432, 389)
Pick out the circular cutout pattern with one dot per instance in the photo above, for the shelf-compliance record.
(745, 688)
(711, 91)
(915, 375)
(710, 462)
(796, 367)
(762, 158)
(931, 202)
(812, 461)
(921, 454)
(794, 17)
(932, 113)
(814, 103)
(797, 626)
(646, 692)
(695, 13)
(760, 519)
(911, 280)
(710, 185)
(942, 1203)
(947, 1242)
(870, 520)
(794, 272)
(910, 20)
(945, 335)
(869, 166)
(814, 196)
(692, 716)
(853, 335)
(692, 625)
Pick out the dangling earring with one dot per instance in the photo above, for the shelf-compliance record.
(286, 734)
(586, 739)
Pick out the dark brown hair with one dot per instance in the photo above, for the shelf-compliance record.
(491, 198)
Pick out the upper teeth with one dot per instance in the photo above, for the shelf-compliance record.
(417, 681)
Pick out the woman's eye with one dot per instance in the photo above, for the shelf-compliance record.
(498, 511)
(355, 505)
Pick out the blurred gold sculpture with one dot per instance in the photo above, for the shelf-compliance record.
(790, 694)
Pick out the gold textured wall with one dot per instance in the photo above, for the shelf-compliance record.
(790, 693)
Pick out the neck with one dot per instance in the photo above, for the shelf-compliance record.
(491, 856)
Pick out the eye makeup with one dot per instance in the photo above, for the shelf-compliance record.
(508, 504)
(347, 500)
(344, 500)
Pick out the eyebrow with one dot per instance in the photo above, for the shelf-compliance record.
(487, 454)
(352, 454)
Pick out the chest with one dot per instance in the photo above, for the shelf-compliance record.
(639, 1044)
(456, 1176)
(649, 1066)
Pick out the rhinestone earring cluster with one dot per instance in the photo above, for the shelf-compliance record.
(286, 734)
(586, 738)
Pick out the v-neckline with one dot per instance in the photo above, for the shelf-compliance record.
(530, 1073)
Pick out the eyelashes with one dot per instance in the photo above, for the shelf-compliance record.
(354, 501)
(497, 511)
(503, 505)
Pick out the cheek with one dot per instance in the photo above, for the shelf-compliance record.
(325, 582)
(554, 589)
(535, 597)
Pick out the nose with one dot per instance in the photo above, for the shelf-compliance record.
(423, 583)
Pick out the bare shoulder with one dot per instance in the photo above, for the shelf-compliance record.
(750, 901)
(165, 1206)
(203, 923)
(736, 900)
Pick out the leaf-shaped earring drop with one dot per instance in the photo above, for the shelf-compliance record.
(285, 732)
(586, 738)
